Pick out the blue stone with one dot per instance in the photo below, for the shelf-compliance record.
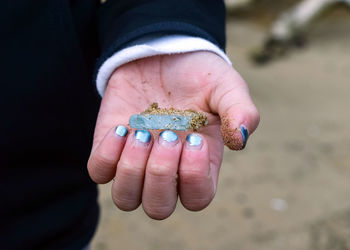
(160, 121)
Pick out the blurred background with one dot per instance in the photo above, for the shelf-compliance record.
(290, 188)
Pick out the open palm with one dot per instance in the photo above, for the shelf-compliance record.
(156, 170)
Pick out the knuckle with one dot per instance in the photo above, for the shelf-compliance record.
(160, 170)
(126, 168)
(100, 161)
(192, 177)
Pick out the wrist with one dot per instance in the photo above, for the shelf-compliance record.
(151, 46)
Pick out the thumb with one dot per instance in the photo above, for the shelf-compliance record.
(239, 116)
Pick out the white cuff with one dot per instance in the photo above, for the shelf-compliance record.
(151, 46)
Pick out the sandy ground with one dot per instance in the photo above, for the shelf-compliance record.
(290, 188)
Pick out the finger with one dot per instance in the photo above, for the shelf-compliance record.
(196, 184)
(160, 187)
(127, 187)
(239, 116)
(103, 160)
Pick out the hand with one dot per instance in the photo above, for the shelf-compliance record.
(155, 172)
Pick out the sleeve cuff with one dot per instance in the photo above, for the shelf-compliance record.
(152, 46)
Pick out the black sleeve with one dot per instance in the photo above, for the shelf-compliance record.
(122, 21)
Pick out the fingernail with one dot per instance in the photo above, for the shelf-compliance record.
(194, 141)
(121, 130)
(142, 136)
(168, 138)
(245, 135)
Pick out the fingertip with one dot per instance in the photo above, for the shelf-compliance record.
(237, 126)
(194, 141)
(121, 131)
(143, 136)
(158, 213)
(232, 137)
(168, 138)
(245, 135)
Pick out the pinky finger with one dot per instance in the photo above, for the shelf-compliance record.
(196, 184)
(103, 160)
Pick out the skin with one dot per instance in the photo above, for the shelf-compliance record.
(155, 174)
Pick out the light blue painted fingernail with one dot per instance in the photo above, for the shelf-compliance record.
(245, 135)
(169, 137)
(121, 130)
(143, 136)
(194, 140)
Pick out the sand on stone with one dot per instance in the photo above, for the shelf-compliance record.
(198, 119)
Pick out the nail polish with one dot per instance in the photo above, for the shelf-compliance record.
(143, 136)
(121, 130)
(168, 137)
(194, 140)
(245, 135)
